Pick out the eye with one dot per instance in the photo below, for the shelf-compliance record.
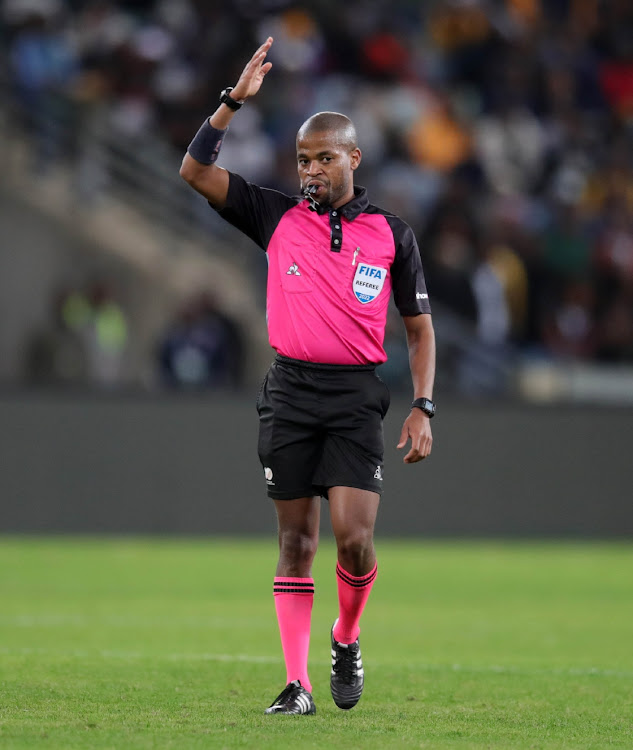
(327, 159)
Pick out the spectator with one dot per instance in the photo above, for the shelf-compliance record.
(201, 349)
(570, 332)
(43, 64)
(56, 355)
(463, 107)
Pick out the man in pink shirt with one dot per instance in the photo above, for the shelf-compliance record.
(334, 261)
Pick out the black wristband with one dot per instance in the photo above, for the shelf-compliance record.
(206, 143)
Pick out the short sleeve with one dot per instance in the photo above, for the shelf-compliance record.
(407, 276)
(254, 210)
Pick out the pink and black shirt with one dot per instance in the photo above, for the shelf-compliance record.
(331, 273)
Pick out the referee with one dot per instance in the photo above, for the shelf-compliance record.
(334, 260)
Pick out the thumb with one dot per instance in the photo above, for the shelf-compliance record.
(404, 436)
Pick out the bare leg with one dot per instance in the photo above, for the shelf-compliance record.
(353, 514)
(298, 524)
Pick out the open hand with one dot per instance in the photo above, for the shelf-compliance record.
(253, 74)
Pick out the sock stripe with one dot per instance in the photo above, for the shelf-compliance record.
(355, 581)
(290, 586)
(299, 584)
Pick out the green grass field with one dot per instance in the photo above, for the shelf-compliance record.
(161, 643)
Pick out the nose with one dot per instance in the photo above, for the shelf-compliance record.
(313, 168)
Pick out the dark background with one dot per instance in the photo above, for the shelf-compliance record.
(189, 465)
(132, 319)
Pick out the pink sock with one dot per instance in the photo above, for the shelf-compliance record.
(293, 602)
(353, 592)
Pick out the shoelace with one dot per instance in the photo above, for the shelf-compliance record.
(283, 695)
(345, 665)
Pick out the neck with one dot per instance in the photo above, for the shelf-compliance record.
(345, 199)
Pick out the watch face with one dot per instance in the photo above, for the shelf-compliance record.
(426, 405)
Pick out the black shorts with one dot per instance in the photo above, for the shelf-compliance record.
(320, 426)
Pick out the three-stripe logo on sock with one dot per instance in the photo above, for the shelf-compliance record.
(290, 586)
(355, 581)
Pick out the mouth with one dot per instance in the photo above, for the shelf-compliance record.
(313, 189)
(316, 195)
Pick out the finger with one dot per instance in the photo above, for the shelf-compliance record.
(404, 436)
(412, 457)
(416, 443)
(426, 446)
(260, 54)
(256, 68)
(263, 49)
(255, 62)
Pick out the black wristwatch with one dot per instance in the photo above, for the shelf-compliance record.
(427, 406)
(228, 100)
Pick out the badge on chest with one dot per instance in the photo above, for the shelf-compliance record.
(368, 282)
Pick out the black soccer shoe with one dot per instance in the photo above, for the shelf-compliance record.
(293, 699)
(347, 677)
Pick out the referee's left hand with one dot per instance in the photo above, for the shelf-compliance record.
(416, 427)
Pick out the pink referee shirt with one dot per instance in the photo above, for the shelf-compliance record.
(330, 274)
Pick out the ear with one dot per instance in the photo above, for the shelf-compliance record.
(355, 157)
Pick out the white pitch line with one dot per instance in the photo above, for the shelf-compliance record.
(500, 669)
(116, 654)
(258, 659)
(80, 620)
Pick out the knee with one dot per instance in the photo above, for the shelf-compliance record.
(356, 551)
(297, 550)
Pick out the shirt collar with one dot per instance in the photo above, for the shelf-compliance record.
(357, 205)
(351, 210)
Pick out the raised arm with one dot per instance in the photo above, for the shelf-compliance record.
(421, 342)
(207, 178)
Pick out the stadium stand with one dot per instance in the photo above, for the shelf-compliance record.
(501, 131)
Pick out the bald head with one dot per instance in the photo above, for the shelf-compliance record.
(339, 129)
(327, 157)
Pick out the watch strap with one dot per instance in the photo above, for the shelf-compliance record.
(225, 98)
(425, 405)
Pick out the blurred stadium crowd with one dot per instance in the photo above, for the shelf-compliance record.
(501, 130)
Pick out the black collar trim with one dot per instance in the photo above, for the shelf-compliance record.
(357, 205)
(351, 210)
